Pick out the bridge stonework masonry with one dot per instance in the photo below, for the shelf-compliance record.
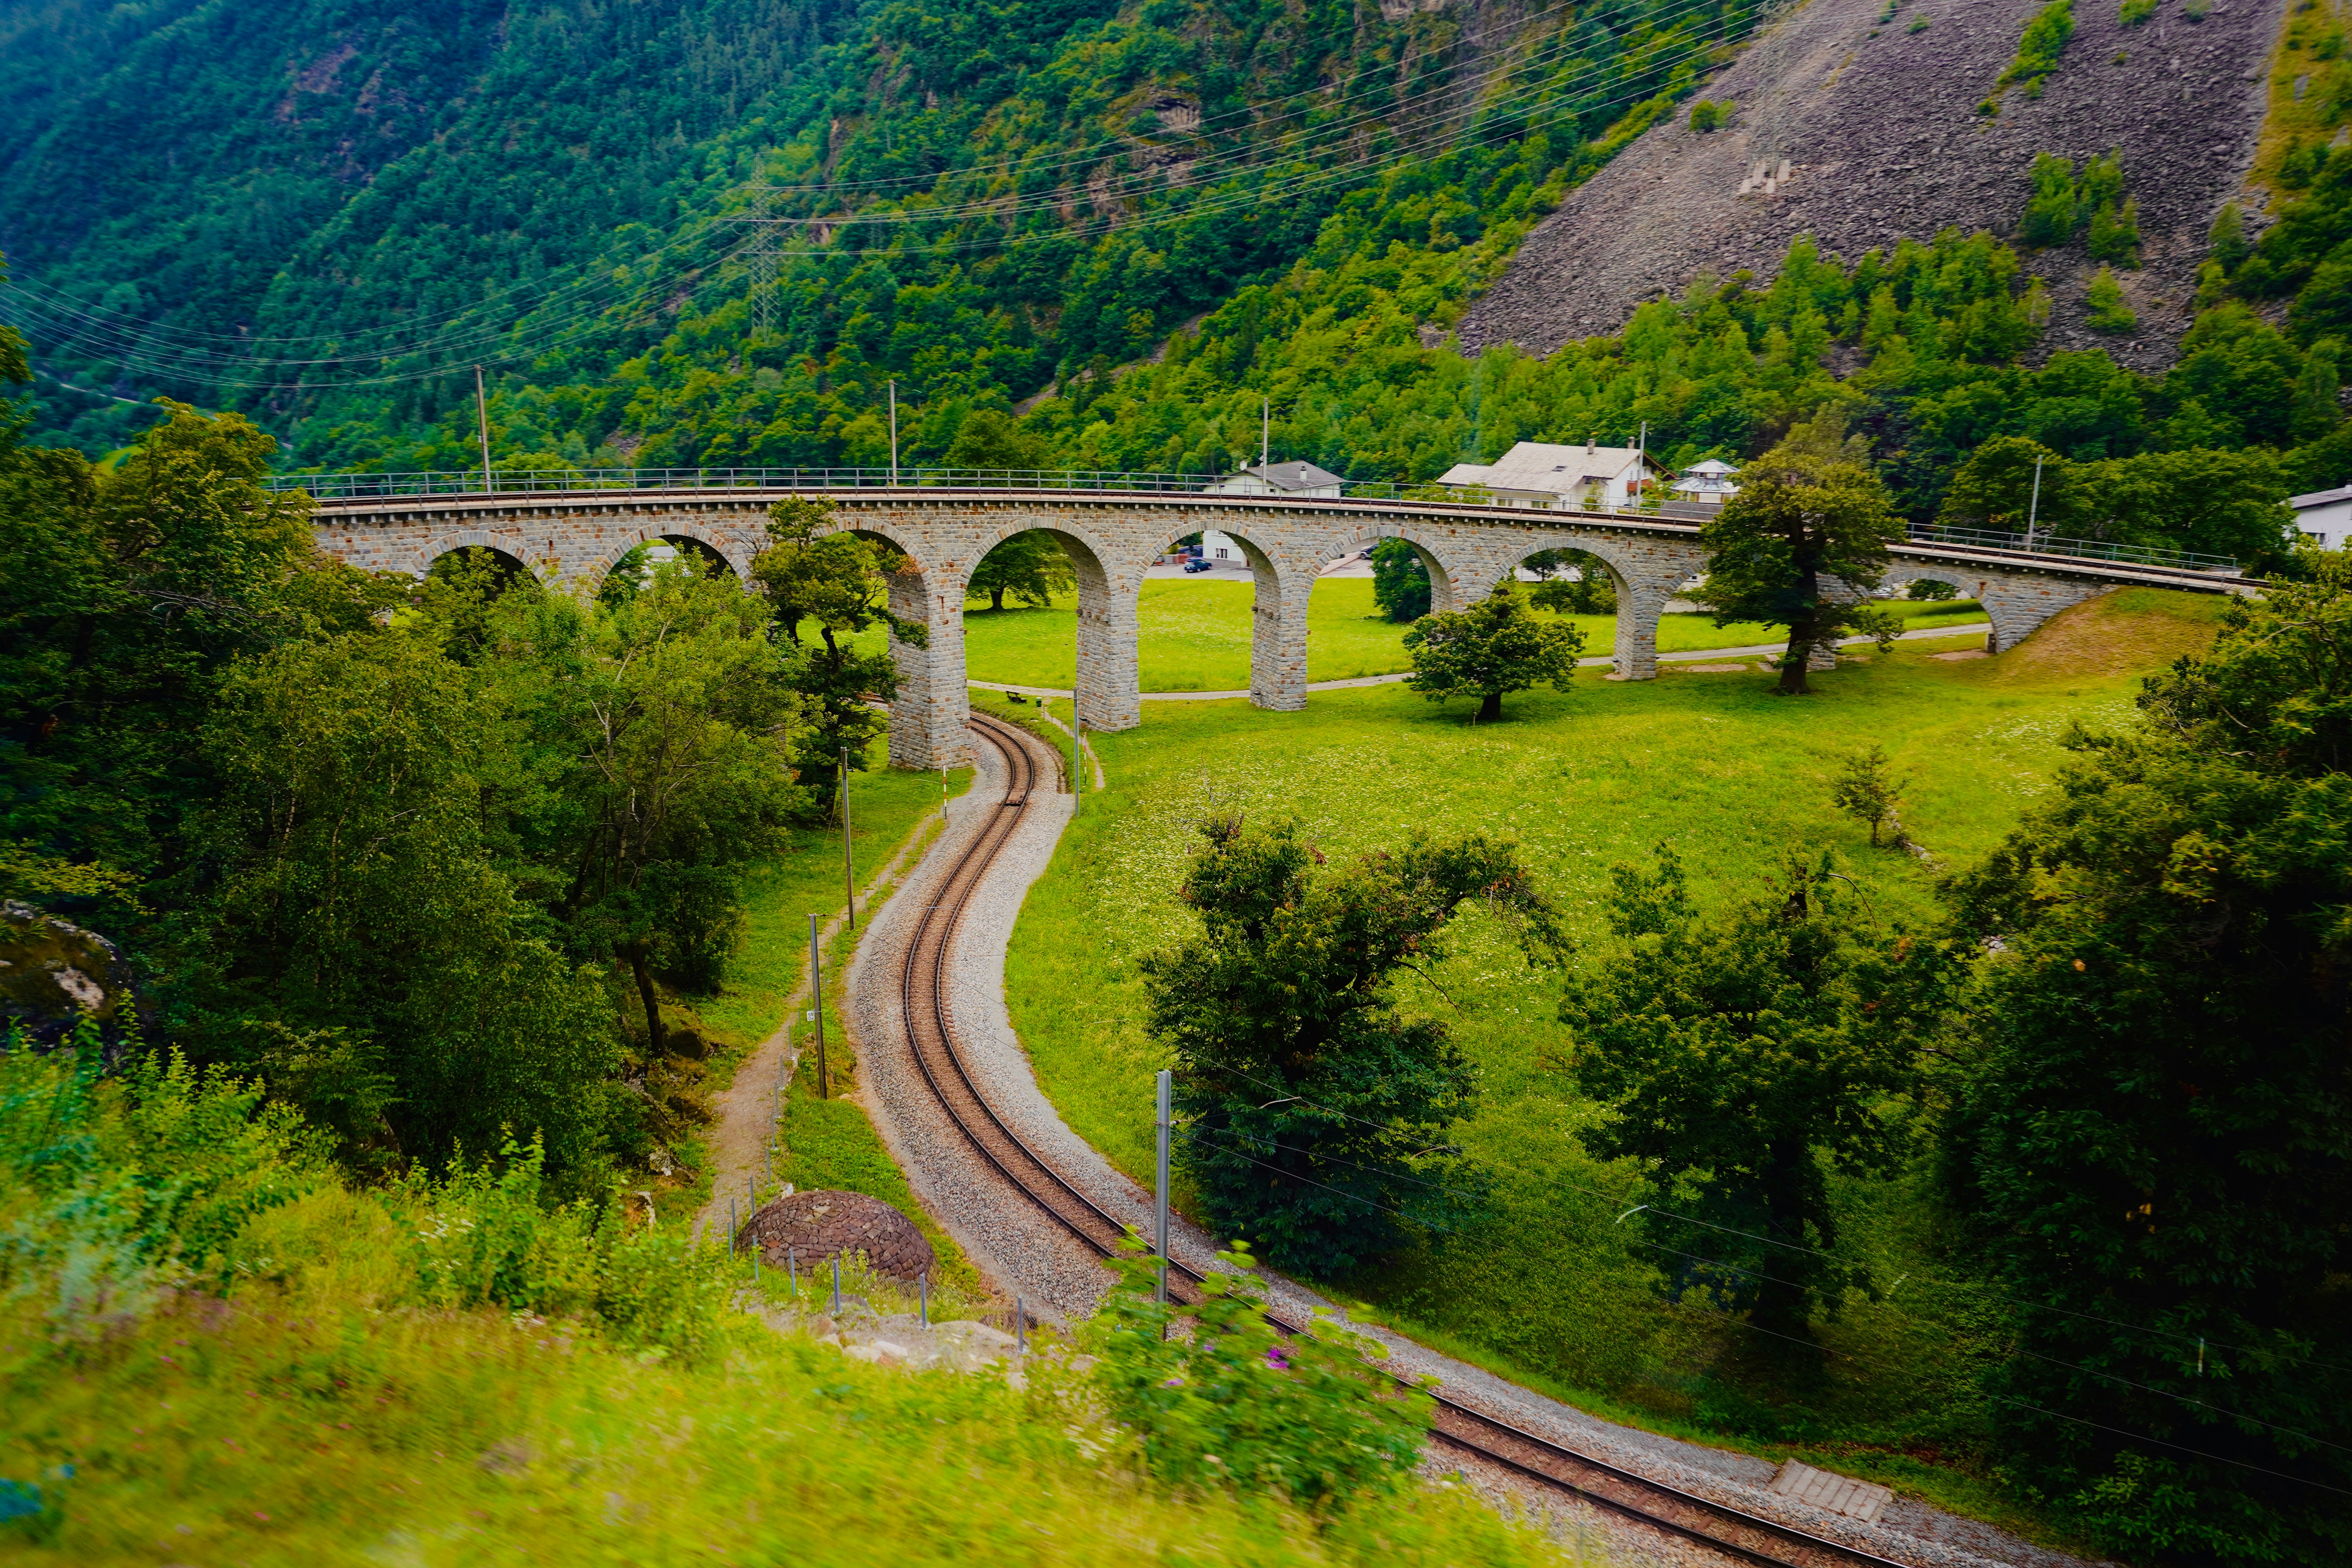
(1112, 538)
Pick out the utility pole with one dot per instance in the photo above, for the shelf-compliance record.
(1642, 459)
(1264, 429)
(894, 435)
(2033, 510)
(816, 994)
(482, 423)
(1160, 1198)
(1077, 754)
(848, 853)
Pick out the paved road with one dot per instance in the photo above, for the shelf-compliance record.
(1688, 656)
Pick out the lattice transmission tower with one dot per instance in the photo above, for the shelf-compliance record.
(760, 253)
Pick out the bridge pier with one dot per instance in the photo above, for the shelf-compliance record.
(1278, 634)
(1639, 606)
(929, 715)
(1109, 686)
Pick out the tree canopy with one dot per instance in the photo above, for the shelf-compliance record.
(1490, 650)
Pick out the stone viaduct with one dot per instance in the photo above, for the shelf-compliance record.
(1112, 537)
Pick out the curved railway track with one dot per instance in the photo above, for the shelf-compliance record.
(930, 1036)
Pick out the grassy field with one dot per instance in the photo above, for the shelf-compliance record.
(1551, 1287)
(1196, 635)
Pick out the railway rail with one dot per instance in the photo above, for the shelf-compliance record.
(930, 1036)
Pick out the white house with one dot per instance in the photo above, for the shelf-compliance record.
(1709, 482)
(1278, 480)
(1538, 474)
(2324, 517)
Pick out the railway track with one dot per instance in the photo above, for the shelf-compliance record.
(930, 1036)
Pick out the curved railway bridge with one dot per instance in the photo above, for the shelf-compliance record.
(1113, 536)
(1018, 1194)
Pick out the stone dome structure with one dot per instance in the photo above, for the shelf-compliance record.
(816, 1225)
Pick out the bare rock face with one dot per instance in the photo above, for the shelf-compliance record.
(816, 1225)
(53, 974)
(1861, 139)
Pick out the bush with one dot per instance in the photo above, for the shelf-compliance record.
(1216, 1398)
(2050, 210)
(2038, 49)
(2108, 311)
(1928, 588)
(1708, 115)
(2135, 12)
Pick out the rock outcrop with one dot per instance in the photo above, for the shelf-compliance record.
(1878, 129)
(53, 974)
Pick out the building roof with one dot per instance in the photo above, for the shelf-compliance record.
(1541, 465)
(2320, 498)
(1463, 474)
(1292, 476)
(1712, 467)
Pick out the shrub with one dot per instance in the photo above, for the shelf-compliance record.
(1928, 588)
(2115, 234)
(1707, 115)
(2038, 49)
(2050, 210)
(2108, 311)
(1217, 1399)
(1920, 24)
(2135, 12)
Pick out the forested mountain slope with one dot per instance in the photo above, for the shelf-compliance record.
(1895, 119)
(326, 215)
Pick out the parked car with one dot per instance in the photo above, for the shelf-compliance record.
(1196, 564)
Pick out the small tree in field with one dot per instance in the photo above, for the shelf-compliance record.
(1314, 1109)
(1808, 521)
(1493, 647)
(1029, 566)
(1869, 790)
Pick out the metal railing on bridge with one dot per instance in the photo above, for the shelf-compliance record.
(2078, 549)
(550, 482)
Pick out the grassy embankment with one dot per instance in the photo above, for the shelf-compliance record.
(826, 1143)
(1550, 1289)
(1196, 635)
(213, 1350)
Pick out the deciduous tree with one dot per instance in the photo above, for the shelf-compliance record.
(839, 582)
(1029, 566)
(1749, 1054)
(1492, 649)
(1802, 544)
(2155, 1128)
(1316, 1112)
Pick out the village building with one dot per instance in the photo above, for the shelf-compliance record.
(1539, 474)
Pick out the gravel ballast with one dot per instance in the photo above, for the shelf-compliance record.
(1020, 1250)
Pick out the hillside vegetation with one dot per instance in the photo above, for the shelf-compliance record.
(211, 1348)
(1929, 1347)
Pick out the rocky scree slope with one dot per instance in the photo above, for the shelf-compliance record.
(1880, 128)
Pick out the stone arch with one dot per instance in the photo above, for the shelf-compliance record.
(1449, 589)
(1281, 577)
(509, 547)
(1107, 692)
(725, 546)
(929, 715)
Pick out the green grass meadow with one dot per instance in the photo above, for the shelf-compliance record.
(1551, 1288)
(1194, 635)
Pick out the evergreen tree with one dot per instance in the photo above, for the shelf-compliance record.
(1316, 1112)
(1809, 519)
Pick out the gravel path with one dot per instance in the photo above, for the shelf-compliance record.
(1018, 1248)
